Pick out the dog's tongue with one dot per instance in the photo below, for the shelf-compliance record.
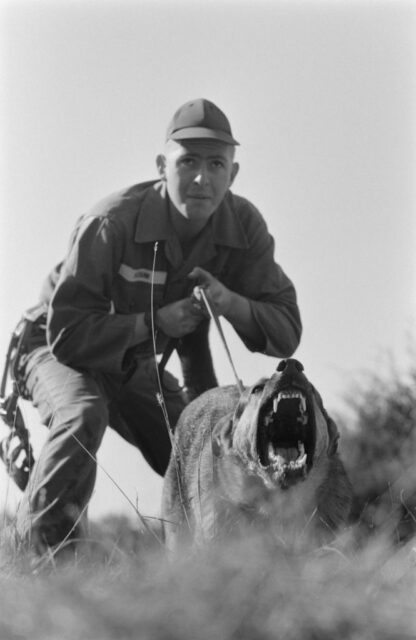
(284, 455)
(287, 455)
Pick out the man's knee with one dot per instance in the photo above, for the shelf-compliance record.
(83, 421)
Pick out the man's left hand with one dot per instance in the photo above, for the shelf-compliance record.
(218, 295)
(233, 306)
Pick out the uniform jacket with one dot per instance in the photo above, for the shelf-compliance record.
(106, 277)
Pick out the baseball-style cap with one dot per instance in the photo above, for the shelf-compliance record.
(200, 119)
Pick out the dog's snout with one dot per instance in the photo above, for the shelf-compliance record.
(290, 366)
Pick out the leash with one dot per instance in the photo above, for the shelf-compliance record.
(159, 370)
(159, 395)
(199, 298)
(200, 294)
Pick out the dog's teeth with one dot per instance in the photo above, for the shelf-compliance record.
(275, 403)
(292, 394)
(303, 404)
(271, 452)
(301, 459)
(300, 462)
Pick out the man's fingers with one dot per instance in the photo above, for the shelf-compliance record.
(194, 273)
(201, 275)
(179, 318)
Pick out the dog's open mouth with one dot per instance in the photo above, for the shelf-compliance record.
(286, 436)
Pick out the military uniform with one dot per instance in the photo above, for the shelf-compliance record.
(91, 373)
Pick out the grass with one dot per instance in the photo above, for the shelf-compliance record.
(123, 585)
(380, 451)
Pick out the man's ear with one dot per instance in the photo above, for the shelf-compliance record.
(161, 165)
(234, 171)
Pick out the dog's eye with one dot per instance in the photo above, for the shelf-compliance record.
(258, 388)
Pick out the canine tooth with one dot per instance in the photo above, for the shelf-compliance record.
(272, 455)
(301, 459)
(303, 404)
(275, 403)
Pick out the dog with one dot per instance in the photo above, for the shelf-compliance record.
(269, 455)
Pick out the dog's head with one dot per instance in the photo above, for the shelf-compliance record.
(279, 427)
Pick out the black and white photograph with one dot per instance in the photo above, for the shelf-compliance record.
(207, 331)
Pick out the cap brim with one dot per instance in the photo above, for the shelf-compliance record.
(195, 133)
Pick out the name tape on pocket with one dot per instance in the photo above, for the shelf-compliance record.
(142, 275)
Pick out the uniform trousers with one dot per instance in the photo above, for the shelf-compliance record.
(77, 407)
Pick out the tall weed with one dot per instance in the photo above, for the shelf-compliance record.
(380, 451)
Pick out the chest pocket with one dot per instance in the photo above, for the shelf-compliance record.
(132, 289)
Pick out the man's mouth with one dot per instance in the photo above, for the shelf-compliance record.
(199, 196)
(286, 436)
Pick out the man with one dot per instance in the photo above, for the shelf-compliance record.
(132, 264)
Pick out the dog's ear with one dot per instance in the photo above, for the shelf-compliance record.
(333, 435)
(222, 436)
(242, 403)
(246, 397)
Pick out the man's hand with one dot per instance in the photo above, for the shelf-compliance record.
(234, 307)
(218, 295)
(178, 318)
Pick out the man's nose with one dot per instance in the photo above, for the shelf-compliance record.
(201, 176)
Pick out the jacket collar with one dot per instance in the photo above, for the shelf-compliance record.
(224, 227)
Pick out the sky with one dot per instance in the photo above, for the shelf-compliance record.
(321, 96)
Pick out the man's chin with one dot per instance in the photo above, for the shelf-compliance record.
(198, 210)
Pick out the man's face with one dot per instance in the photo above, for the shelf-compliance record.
(198, 174)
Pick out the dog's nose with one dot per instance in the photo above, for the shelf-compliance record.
(289, 366)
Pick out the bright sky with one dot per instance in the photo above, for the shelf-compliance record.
(321, 96)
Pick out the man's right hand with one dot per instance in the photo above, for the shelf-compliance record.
(178, 318)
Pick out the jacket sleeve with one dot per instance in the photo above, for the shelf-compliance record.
(82, 331)
(270, 292)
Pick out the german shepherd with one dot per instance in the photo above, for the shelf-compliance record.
(269, 455)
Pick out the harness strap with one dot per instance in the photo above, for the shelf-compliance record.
(12, 346)
(169, 349)
(15, 449)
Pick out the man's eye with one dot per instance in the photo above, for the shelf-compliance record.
(217, 164)
(188, 162)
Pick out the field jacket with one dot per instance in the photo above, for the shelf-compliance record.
(106, 277)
